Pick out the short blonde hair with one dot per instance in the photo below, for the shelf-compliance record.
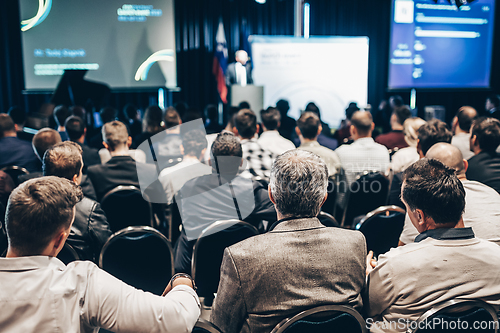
(410, 130)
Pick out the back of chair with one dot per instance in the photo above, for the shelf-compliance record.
(203, 326)
(125, 206)
(209, 250)
(139, 256)
(68, 254)
(367, 193)
(327, 220)
(382, 231)
(324, 319)
(14, 172)
(458, 316)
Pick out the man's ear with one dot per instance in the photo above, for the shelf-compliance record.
(297, 130)
(419, 149)
(105, 145)
(271, 195)
(373, 126)
(352, 130)
(129, 141)
(235, 131)
(75, 177)
(258, 128)
(320, 129)
(466, 165)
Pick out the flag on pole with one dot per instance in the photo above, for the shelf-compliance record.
(220, 62)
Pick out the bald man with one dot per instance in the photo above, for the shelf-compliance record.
(481, 201)
(461, 125)
(364, 154)
(239, 72)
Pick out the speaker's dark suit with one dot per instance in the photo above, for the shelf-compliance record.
(231, 74)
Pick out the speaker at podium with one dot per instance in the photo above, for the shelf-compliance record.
(254, 95)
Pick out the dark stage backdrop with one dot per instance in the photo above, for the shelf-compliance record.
(196, 25)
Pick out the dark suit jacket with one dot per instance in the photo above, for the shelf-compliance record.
(14, 151)
(231, 74)
(119, 170)
(485, 168)
(298, 265)
(89, 231)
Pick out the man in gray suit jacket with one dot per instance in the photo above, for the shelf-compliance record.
(299, 264)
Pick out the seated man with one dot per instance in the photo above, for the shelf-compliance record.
(481, 201)
(75, 127)
(308, 129)
(271, 138)
(121, 169)
(461, 125)
(484, 166)
(298, 264)
(39, 293)
(214, 200)
(14, 151)
(395, 138)
(258, 157)
(446, 261)
(90, 230)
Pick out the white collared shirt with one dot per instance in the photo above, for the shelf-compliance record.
(274, 142)
(41, 294)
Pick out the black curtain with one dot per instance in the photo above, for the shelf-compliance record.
(196, 26)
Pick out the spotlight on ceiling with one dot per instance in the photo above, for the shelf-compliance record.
(458, 3)
(261, 1)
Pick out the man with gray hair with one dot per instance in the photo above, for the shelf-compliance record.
(298, 264)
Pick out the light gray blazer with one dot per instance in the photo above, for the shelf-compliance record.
(298, 265)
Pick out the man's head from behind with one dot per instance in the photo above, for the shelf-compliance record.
(399, 116)
(194, 143)
(308, 125)
(115, 136)
(433, 195)
(241, 57)
(465, 116)
(43, 140)
(172, 117)
(61, 113)
(75, 127)
(245, 123)
(226, 153)
(39, 215)
(18, 115)
(271, 118)
(449, 155)
(298, 184)
(64, 160)
(108, 114)
(430, 133)
(7, 126)
(361, 125)
(485, 135)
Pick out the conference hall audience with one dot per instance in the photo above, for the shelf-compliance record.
(481, 201)
(61, 113)
(259, 159)
(41, 294)
(363, 155)
(270, 137)
(287, 128)
(298, 264)
(90, 229)
(404, 157)
(15, 151)
(308, 129)
(75, 127)
(121, 169)
(395, 139)
(430, 133)
(461, 125)
(446, 262)
(484, 166)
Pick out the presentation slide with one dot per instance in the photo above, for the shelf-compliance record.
(437, 45)
(122, 44)
(329, 71)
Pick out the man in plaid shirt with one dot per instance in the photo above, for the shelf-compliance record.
(258, 159)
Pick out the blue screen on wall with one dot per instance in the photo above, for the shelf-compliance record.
(436, 45)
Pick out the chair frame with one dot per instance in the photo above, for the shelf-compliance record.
(72, 251)
(287, 322)
(210, 228)
(136, 189)
(327, 216)
(458, 305)
(130, 230)
(378, 211)
(348, 194)
(15, 167)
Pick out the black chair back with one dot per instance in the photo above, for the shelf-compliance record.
(68, 254)
(203, 326)
(331, 200)
(367, 193)
(14, 172)
(125, 206)
(458, 316)
(139, 256)
(324, 319)
(382, 231)
(327, 220)
(209, 250)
